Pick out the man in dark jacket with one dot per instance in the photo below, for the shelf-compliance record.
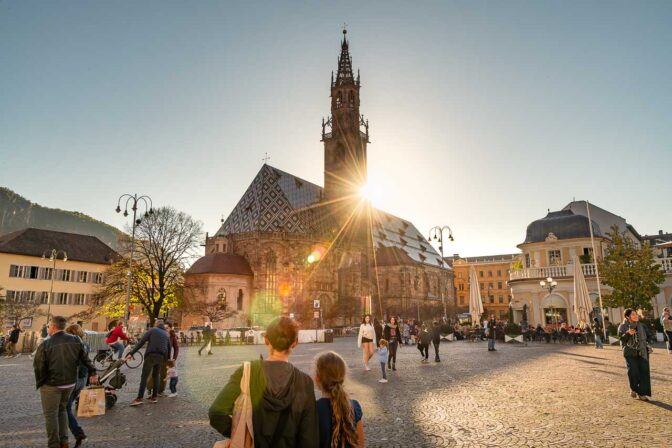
(13, 339)
(436, 340)
(56, 370)
(492, 333)
(207, 340)
(635, 338)
(156, 355)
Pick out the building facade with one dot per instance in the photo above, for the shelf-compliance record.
(26, 273)
(493, 277)
(304, 243)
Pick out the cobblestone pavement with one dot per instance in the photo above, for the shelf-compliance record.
(536, 396)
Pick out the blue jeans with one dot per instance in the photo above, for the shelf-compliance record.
(382, 367)
(173, 385)
(73, 424)
(118, 348)
(598, 341)
(491, 344)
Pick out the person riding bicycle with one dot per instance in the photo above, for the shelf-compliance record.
(115, 336)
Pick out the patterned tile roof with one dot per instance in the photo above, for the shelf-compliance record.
(277, 201)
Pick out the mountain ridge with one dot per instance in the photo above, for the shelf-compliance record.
(17, 212)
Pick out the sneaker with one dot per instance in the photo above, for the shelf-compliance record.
(137, 402)
(382, 380)
(633, 394)
(154, 400)
(172, 395)
(162, 395)
(210, 353)
(643, 397)
(367, 368)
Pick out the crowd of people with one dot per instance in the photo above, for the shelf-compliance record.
(285, 411)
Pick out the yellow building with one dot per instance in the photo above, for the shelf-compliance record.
(26, 274)
(493, 275)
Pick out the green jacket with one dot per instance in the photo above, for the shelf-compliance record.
(284, 413)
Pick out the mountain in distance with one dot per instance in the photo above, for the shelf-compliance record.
(17, 212)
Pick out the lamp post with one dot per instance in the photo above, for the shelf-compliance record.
(53, 256)
(550, 284)
(133, 201)
(436, 234)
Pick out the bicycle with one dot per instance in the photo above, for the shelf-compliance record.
(104, 358)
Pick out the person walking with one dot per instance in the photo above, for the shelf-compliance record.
(366, 340)
(284, 412)
(43, 335)
(424, 339)
(172, 377)
(634, 342)
(492, 333)
(383, 354)
(156, 355)
(598, 331)
(207, 339)
(174, 345)
(82, 375)
(13, 339)
(666, 322)
(406, 332)
(436, 340)
(56, 366)
(115, 337)
(340, 419)
(392, 333)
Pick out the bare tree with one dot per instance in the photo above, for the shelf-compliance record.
(165, 241)
(16, 310)
(196, 302)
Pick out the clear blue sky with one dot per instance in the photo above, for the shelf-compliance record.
(482, 114)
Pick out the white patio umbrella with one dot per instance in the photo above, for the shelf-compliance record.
(475, 302)
(582, 304)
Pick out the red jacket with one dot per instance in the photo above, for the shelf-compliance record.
(117, 333)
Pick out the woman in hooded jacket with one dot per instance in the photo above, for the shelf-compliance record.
(284, 414)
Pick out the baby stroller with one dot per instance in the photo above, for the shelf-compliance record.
(115, 381)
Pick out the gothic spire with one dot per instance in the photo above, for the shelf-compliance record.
(344, 74)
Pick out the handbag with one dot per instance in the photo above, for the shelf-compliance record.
(242, 432)
(91, 402)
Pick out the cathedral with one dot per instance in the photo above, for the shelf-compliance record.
(322, 255)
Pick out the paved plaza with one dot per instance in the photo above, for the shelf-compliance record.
(536, 396)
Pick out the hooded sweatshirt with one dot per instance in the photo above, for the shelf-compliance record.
(284, 413)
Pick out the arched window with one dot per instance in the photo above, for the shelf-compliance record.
(239, 301)
(271, 279)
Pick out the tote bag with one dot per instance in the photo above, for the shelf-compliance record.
(91, 402)
(242, 433)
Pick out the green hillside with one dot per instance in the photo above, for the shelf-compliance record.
(17, 212)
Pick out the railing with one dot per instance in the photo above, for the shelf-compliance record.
(551, 271)
(567, 270)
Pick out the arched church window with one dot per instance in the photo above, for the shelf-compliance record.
(271, 279)
(352, 98)
(239, 301)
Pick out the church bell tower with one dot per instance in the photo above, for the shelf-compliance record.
(345, 133)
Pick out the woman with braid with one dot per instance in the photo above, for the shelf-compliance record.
(340, 418)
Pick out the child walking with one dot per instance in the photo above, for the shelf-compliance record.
(172, 378)
(339, 418)
(382, 357)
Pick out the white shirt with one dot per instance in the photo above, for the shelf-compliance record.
(366, 331)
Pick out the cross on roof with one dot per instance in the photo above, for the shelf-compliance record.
(266, 158)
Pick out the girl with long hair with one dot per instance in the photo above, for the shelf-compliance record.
(366, 340)
(340, 418)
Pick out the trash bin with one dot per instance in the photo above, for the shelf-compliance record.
(328, 336)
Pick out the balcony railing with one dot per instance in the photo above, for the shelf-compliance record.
(567, 270)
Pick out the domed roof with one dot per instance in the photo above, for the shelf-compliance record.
(563, 224)
(221, 263)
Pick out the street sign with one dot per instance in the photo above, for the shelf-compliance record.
(316, 314)
(316, 304)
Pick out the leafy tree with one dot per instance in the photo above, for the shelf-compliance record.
(630, 271)
(165, 241)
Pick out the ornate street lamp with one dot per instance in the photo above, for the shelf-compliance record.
(53, 256)
(133, 201)
(550, 284)
(436, 234)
